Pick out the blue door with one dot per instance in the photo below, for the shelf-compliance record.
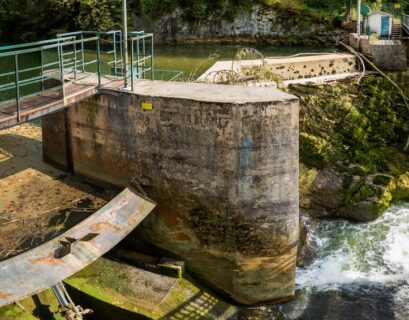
(385, 24)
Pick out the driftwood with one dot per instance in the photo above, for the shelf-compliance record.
(402, 94)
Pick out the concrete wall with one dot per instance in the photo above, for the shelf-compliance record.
(222, 163)
(313, 66)
(290, 68)
(388, 55)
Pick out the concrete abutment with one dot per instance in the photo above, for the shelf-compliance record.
(222, 163)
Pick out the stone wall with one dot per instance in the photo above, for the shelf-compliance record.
(222, 163)
(389, 55)
(261, 24)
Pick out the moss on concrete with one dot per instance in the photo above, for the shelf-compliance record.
(12, 312)
(113, 283)
(43, 306)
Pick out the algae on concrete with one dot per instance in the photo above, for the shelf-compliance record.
(145, 293)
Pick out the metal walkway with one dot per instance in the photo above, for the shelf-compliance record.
(49, 264)
(43, 77)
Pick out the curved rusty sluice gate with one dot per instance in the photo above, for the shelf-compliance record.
(46, 265)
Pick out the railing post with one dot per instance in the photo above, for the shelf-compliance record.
(138, 55)
(99, 62)
(61, 53)
(144, 57)
(115, 63)
(121, 48)
(152, 60)
(75, 61)
(42, 69)
(17, 80)
(82, 52)
(132, 70)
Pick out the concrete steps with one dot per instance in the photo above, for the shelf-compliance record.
(396, 32)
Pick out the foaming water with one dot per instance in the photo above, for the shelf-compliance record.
(361, 272)
(352, 253)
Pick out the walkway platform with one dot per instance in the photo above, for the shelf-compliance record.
(52, 100)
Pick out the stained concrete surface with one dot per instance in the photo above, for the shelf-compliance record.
(292, 68)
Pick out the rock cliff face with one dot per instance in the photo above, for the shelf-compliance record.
(259, 25)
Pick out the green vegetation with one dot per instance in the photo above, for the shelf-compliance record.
(27, 20)
(357, 132)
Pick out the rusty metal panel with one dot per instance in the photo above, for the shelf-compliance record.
(41, 268)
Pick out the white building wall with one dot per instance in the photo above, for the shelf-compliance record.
(375, 23)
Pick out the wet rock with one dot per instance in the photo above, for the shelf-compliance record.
(305, 255)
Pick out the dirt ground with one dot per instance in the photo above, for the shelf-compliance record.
(37, 201)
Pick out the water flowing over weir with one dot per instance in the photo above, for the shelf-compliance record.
(360, 271)
(349, 253)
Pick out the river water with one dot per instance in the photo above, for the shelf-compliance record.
(360, 272)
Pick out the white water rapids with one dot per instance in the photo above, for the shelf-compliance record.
(360, 272)
(351, 253)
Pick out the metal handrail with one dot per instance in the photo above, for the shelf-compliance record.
(405, 21)
(71, 55)
(34, 44)
(62, 64)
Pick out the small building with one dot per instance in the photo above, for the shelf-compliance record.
(380, 23)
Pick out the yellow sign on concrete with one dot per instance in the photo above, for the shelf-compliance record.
(147, 106)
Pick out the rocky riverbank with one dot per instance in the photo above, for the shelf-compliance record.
(261, 24)
(352, 159)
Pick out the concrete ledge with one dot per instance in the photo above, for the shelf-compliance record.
(290, 68)
(215, 93)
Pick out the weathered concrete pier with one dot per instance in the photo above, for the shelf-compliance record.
(220, 161)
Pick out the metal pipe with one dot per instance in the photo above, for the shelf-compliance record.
(138, 61)
(125, 44)
(99, 62)
(359, 18)
(75, 61)
(152, 60)
(17, 87)
(132, 71)
(82, 53)
(61, 52)
(33, 44)
(42, 70)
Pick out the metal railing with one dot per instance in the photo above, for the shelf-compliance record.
(405, 22)
(62, 60)
(31, 68)
(140, 55)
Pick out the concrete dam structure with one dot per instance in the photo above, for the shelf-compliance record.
(220, 161)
